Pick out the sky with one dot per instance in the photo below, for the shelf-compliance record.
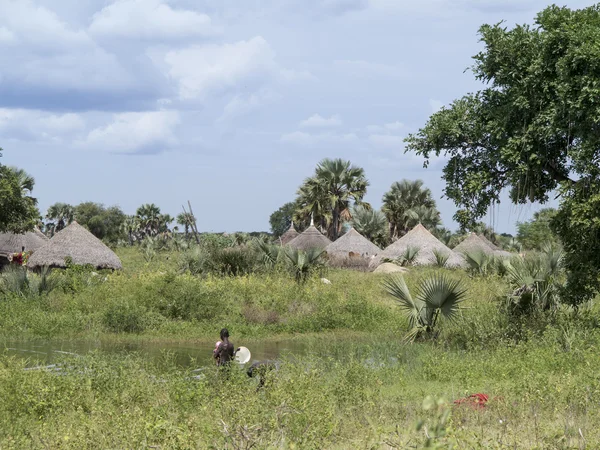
(231, 103)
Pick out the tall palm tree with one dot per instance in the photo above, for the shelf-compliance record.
(26, 181)
(371, 223)
(407, 204)
(62, 214)
(331, 190)
(187, 220)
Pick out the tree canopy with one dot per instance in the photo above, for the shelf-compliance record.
(532, 129)
(535, 233)
(281, 219)
(18, 209)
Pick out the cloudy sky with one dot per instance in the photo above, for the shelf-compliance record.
(231, 103)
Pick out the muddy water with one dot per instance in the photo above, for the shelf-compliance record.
(185, 355)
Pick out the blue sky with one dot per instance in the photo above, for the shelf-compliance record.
(231, 103)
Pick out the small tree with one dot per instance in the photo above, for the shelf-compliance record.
(438, 296)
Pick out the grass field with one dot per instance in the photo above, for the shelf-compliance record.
(540, 372)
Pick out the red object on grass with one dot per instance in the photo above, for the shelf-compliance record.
(473, 400)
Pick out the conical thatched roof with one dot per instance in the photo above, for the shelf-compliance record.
(473, 243)
(288, 235)
(419, 237)
(497, 250)
(80, 245)
(310, 238)
(13, 243)
(352, 242)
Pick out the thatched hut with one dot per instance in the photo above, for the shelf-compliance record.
(11, 243)
(497, 250)
(80, 245)
(290, 234)
(419, 238)
(352, 244)
(473, 243)
(310, 238)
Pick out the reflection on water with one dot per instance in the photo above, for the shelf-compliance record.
(372, 352)
(185, 355)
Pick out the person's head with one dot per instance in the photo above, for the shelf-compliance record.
(224, 334)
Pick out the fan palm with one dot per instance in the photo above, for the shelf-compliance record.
(187, 220)
(438, 295)
(303, 263)
(407, 204)
(371, 223)
(62, 214)
(329, 193)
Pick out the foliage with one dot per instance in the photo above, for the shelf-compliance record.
(536, 281)
(372, 224)
(281, 220)
(62, 214)
(437, 295)
(535, 233)
(15, 280)
(104, 223)
(407, 204)
(440, 258)
(532, 129)
(330, 192)
(407, 258)
(481, 263)
(303, 263)
(150, 221)
(18, 211)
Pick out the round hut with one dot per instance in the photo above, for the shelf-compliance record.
(497, 250)
(290, 234)
(80, 245)
(472, 244)
(310, 238)
(11, 243)
(419, 238)
(352, 244)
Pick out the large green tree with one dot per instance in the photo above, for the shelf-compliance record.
(536, 233)
(407, 204)
(18, 210)
(151, 221)
(281, 220)
(104, 223)
(372, 224)
(328, 195)
(532, 129)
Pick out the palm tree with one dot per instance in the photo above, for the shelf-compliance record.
(62, 214)
(371, 223)
(407, 204)
(187, 220)
(26, 181)
(130, 226)
(329, 193)
(438, 295)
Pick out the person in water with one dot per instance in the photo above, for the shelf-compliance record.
(223, 351)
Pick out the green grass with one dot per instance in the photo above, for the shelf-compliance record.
(541, 397)
(541, 372)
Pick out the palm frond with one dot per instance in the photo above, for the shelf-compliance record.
(397, 288)
(442, 293)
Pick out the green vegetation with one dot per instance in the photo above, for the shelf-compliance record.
(18, 211)
(536, 233)
(531, 130)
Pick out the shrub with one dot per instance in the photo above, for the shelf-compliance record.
(124, 318)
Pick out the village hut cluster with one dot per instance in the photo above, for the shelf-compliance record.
(353, 248)
(73, 243)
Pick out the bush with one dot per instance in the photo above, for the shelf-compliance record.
(124, 318)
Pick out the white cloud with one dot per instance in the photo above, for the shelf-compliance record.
(143, 132)
(360, 68)
(149, 19)
(241, 105)
(6, 36)
(204, 69)
(318, 121)
(435, 105)
(388, 127)
(386, 140)
(51, 54)
(35, 125)
(301, 138)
